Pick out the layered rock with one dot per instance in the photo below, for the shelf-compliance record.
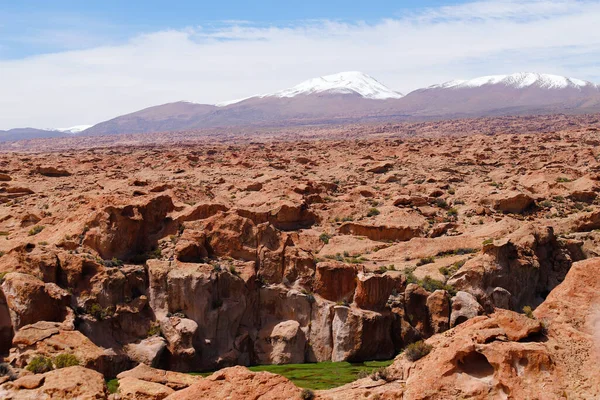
(527, 264)
(240, 383)
(66, 383)
(127, 231)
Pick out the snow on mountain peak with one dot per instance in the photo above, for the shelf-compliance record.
(73, 129)
(519, 80)
(343, 82)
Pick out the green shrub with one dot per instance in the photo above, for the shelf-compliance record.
(380, 374)
(488, 241)
(154, 330)
(40, 365)
(66, 360)
(410, 276)
(115, 262)
(6, 370)
(324, 238)
(441, 203)
(431, 285)
(528, 312)
(307, 394)
(563, 179)
(452, 212)
(2, 275)
(425, 260)
(96, 311)
(112, 386)
(35, 230)
(451, 270)
(373, 212)
(417, 350)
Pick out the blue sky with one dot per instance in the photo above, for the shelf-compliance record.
(67, 62)
(29, 27)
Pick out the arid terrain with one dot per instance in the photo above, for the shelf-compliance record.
(468, 251)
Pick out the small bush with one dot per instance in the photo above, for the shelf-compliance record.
(380, 374)
(417, 350)
(362, 374)
(410, 276)
(452, 212)
(441, 203)
(546, 204)
(2, 275)
(6, 370)
(528, 312)
(40, 365)
(373, 212)
(425, 261)
(307, 394)
(96, 311)
(66, 360)
(234, 271)
(324, 238)
(115, 262)
(35, 230)
(154, 330)
(451, 270)
(563, 179)
(488, 241)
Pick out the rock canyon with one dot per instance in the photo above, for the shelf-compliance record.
(471, 260)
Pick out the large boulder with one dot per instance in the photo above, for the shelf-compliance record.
(66, 383)
(240, 383)
(416, 310)
(360, 335)
(335, 281)
(512, 202)
(30, 300)
(51, 339)
(320, 340)
(373, 290)
(382, 233)
(128, 231)
(203, 310)
(137, 389)
(147, 351)
(173, 380)
(284, 343)
(464, 307)
(528, 264)
(438, 307)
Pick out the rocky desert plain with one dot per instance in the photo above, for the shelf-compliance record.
(467, 251)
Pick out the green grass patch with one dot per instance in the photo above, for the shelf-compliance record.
(325, 375)
(112, 385)
(319, 376)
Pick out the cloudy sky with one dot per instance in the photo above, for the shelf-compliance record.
(68, 62)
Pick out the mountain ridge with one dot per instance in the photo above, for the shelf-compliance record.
(354, 96)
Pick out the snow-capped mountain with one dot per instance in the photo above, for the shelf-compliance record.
(357, 97)
(519, 81)
(351, 82)
(344, 82)
(74, 129)
(520, 93)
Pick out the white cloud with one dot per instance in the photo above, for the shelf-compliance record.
(238, 59)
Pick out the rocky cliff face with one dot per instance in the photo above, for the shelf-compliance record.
(207, 264)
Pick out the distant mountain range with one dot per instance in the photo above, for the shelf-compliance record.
(355, 97)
